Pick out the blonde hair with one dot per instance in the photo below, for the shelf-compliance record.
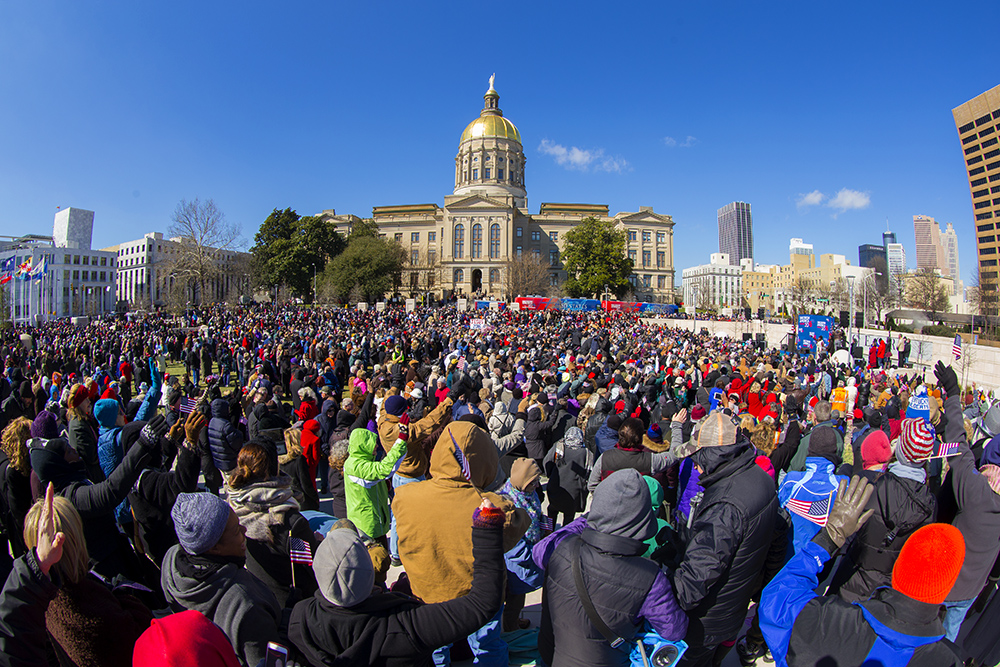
(14, 438)
(75, 561)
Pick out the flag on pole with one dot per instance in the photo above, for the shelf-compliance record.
(23, 269)
(463, 462)
(300, 551)
(956, 347)
(38, 271)
(948, 449)
(816, 511)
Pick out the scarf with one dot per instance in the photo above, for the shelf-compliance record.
(263, 505)
(530, 503)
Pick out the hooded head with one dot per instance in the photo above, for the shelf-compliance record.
(344, 570)
(573, 438)
(106, 412)
(478, 449)
(622, 507)
(524, 473)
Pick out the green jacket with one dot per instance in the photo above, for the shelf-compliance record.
(364, 482)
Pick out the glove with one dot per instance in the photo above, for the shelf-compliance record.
(155, 379)
(848, 512)
(488, 515)
(946, 378)
(404, 418)
(151, 433)
(404, 432)
(193, 427)
(176, 431)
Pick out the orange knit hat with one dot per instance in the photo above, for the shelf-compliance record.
(929, 563)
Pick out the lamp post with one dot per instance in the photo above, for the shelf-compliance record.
(850, 317)
(314, 284)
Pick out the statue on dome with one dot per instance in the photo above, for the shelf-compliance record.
(492, 76)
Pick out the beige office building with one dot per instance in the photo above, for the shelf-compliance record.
(978, 122)
(462, 247)
(930, 249)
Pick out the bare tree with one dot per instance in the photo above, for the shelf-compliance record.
(925, 292)
(205, 238)
(525, 275)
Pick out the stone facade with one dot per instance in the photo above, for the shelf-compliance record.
(461, 248)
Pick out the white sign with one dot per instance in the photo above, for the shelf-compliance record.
(515, 306)
(462, 304)
(494, 305)
(380, 307)
(478, 324)
(362, 305)
(411, 305)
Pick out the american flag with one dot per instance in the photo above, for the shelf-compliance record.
(300, 551)
(460, 457)
(956, 347)
(816, 511)
(188, 405)
(548, 524)
(948, 449)
(461, 363)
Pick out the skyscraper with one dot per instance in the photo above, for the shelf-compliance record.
(977, 121)
(872, 256)
(736, 232)
(949, 241)
(887, 238)
(930, 252)
(896, 258)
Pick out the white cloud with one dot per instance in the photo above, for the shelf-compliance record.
(688, 142)
(850, 200)
(580, 159)
(814, 198)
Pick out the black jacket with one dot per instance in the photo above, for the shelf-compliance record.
(15, 489)
(731, 535)
(25, 597)
(82, 436)
(537, 432)
(223, 438)
(901, 506)
(391, 629)
(154, 497)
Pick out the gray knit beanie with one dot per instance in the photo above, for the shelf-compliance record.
(199, 521)
(343, 568)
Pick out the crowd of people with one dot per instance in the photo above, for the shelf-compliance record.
(343, 487)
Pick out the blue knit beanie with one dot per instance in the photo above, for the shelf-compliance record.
(199, 521)
(395, 405)
(106, 412)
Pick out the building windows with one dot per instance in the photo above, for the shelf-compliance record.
(647, 280)
(76, 259)
(414, 237)
(661, 259)
(631, 235)
(459, 276)
(990, 142)
(554, 237)
(985, 228)
(982, 120)
(486, 172)
(980, 193)
(517, 252)
(86, 260)
(987, 262)
(647, 236)
(536, 254)
(519, 232)
(631, 256)
(985, 133)
(978, 181)
(553, 257)
(972, 149)
(477, 241)
(984, 216)
(974, 159)
(414, 277)
(66, 275)
(536, 235)
(661, 282)
(494, 276)
(982, 251)
(661, 237)
(971, 137)
(982, 204)
(977, 170)
(553, 280)
(475, 174)
(414, 257)
(76, 275)
(494, 241)
(430, 280)
(645, 258)
(500, 174)
(965, 128)
(458, 249)
(432, 237)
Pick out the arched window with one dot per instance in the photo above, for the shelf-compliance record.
(459, 246)
(494, 241)
(477, 241)
(459, 276)
(494, 276)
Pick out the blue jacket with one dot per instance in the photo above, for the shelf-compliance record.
(109, 447)
(816, 484)
(888, 630)
(606, 438)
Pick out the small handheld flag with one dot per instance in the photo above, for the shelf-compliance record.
(188, 405)
(956, 347)
(463, 462)
(948, 449)
(816, 511)
(300, 551)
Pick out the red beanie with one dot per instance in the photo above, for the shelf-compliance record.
(875, 448)
(95, 391)
(619, 407)
(78, 396)
(110, 393)
(183, 639)
(929, 563)
(697, 412)
(764, 463)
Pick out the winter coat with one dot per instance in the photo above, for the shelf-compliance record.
(605, 438)
(730, 537)
(627, 588)
(364, 481)
(228, 595)
(415, 462)
(798, 461)
(437, 555)
(978, 510)
(224, 439)
(537, 431)
(396, 630)
(567, 465)
(154, 496)
(642, 460)
(816, 485)
(270, 514)
(91, 625)
(15, 501)
(901, 505)
(26, 595)
(82, 436)
(890, 629)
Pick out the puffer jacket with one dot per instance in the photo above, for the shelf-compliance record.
(536, 432)
(730, 536)
(364, 481)
(606, 438)
(223, 438)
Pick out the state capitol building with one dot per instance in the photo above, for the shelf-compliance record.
(463, 247)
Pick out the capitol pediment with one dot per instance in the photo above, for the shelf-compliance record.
(644, 217)
(477, 202)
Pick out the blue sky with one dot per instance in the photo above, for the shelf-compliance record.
(126, 108)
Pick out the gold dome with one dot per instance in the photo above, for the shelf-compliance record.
(491, 126)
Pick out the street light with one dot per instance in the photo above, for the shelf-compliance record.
(314, 284)
(850, 318)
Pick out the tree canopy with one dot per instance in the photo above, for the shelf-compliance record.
(925, 292)
(369, 268)
(594, 258)
(287, 247)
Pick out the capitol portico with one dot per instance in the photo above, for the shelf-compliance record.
(463, 247)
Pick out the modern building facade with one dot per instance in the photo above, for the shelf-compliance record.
(872, 256)
(462, 247)
(77, 280)
(930, 252)
(149, 273)
(949, 241)
(896, 259)
(978, 124)
(714, 286)
(887, 238)
(736, 231)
